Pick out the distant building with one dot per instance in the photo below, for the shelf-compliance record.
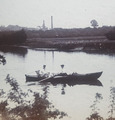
(51, 22)
(43, 27)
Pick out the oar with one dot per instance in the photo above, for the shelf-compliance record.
(47, 78)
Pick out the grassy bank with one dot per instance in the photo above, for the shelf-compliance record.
(79, 43)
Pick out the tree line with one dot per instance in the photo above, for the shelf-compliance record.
(76, 32)
(17, 37)
(12, 37)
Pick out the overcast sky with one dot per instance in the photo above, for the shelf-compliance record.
(66, 13)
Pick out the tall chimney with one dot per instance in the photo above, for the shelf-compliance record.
(51, 22)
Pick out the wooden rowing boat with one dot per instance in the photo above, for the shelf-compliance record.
(64, 77)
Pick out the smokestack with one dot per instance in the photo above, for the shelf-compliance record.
(51, 22)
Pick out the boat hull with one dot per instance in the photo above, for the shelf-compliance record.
(33, 78)
(65, 77)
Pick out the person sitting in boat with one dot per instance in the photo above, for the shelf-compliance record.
(39, 73)
(42, 74)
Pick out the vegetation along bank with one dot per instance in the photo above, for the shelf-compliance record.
(102, 39)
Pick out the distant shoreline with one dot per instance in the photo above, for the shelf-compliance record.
(85, 43)
(87, 39)
(91, 43)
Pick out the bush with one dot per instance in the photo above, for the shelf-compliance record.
(12, 37)
(111, 35)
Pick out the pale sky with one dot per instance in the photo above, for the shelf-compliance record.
(66, 13)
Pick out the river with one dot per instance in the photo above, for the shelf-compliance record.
(75, 100)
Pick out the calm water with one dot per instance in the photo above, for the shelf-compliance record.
(75, 100)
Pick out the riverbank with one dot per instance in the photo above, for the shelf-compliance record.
(84, 43)
(89, 43)
(86, 39)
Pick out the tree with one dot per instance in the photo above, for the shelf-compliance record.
(95, 114)
(94, 23)
(25, 107)
(112, 104)
(111, 34)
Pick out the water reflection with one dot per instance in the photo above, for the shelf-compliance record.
(78, 50)
(63, 90)
(109, 53)
(70, 83)
(77, 82)
(14, 50)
